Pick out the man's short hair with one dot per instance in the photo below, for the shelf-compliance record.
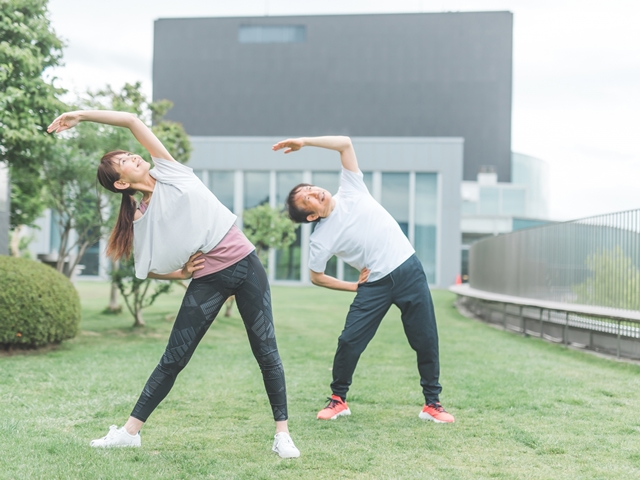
(297, 214)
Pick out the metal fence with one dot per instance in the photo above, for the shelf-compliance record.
(592, 261)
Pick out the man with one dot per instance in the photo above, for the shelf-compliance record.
(354, 227)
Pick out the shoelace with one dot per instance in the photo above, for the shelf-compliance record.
(112, 431)
(285, 439)
(332, 402)
(436, 406)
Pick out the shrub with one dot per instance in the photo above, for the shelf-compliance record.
(38, 305)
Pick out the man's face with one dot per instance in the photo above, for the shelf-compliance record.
(314, 199)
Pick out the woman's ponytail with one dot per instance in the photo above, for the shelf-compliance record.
(121, 240)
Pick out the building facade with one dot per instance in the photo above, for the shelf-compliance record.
(419, 187)
(391, 75)
(386, 80)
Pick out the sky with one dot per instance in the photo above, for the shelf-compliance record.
(576, 76)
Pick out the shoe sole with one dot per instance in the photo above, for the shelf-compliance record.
(114, 446)
(286, 456)
(428, 418)
(343, 412)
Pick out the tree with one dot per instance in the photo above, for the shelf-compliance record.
(267, 227)
(95, 140)
(137, 293)
(613, 282)
(81, 210)
(28, 102)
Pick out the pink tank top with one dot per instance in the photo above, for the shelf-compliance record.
(231, 249)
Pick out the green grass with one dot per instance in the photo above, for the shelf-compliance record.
(524, 408)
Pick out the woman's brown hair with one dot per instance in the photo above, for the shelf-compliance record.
(121, 239)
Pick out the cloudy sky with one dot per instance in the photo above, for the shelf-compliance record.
(576, 90)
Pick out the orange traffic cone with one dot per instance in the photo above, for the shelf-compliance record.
(458, 280)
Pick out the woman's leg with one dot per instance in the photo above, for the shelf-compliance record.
(253, 298)
(202, 302)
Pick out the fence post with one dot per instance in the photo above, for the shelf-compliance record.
(618, 349)
(523, 323)
(504, 316)
(566, 329)
(541, 323)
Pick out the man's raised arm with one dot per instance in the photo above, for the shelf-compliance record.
(338, 143)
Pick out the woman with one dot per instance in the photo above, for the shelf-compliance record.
(180, 230)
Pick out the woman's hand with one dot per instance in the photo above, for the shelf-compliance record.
(64, 122)
(193, 264)
(364, 275)
(291, 145)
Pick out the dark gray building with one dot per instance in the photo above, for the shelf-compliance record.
(390, 75)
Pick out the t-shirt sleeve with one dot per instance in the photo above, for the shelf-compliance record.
(352, 183)
(318, 257)
(167, 171)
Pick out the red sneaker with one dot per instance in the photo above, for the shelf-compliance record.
(334, 409)
(436, 413)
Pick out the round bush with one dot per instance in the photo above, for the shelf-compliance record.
(38, 305)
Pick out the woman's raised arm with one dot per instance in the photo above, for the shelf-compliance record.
(143, 134)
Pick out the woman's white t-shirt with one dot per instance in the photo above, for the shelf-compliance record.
(183, 217)
(359, 231)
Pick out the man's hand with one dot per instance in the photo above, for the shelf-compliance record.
(364, 275)
(193, 264)
(291, 145)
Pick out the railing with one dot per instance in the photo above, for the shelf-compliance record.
(576, 283)
(593, 261)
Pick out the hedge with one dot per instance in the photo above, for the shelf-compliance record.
(38, 305)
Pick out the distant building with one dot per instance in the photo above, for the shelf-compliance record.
(399, 84)
(426, 98)
(490, 207)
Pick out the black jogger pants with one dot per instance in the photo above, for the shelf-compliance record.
(407, 288)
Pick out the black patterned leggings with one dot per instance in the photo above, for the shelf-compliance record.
(205, 296)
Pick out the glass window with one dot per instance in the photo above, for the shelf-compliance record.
(4, 188)
(395, 198)
(469, 208)
(489, 201)
(91, 260)
(514, 201)
(327, 180)
(54, 235)
(350, 273)
(256, 189)
(285, 181)
(221, 184)
(426, 222)
(288, 260)
(272, 34)
(368, 181)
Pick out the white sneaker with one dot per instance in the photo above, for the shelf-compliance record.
(283, 446)
(117, 437)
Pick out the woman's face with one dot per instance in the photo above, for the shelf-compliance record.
(131, 167)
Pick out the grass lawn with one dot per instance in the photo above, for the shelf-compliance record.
(524, 408)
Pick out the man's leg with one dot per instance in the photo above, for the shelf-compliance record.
(365, 314)
(411, 294)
